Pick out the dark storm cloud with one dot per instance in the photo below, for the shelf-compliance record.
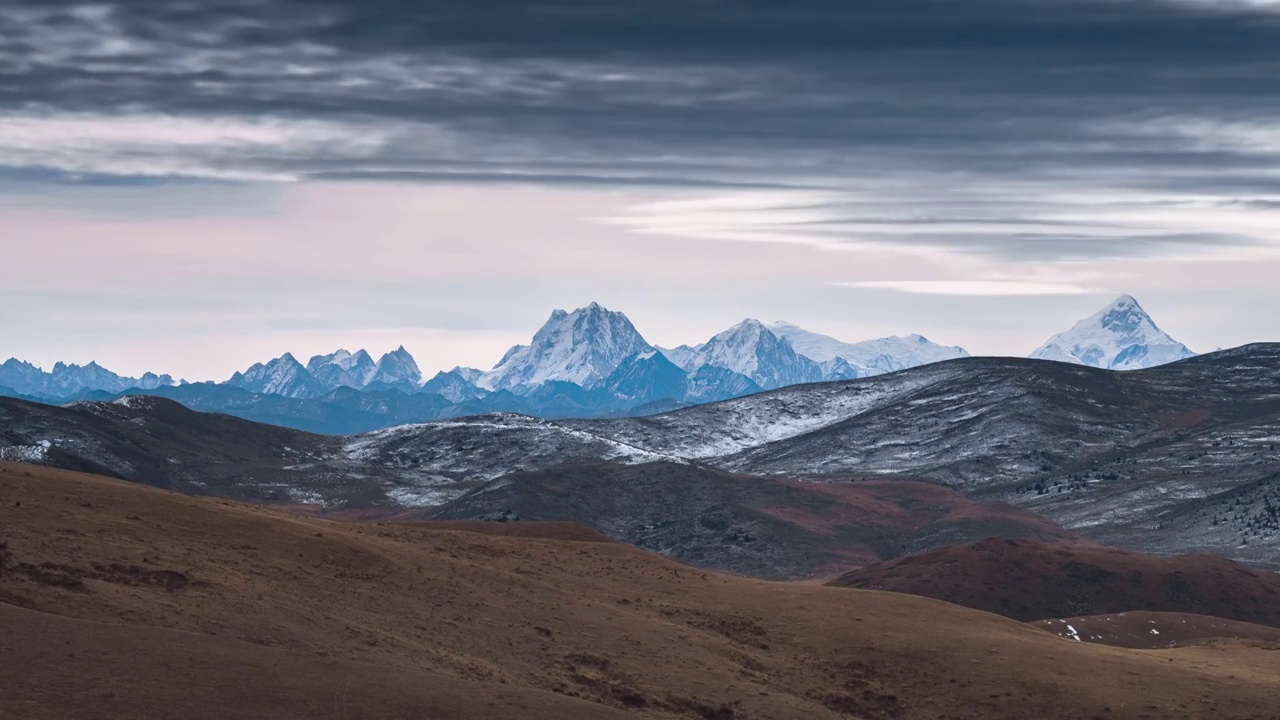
(1158, 97)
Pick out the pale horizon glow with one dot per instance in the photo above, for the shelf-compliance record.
(198, 283)
(996, 288)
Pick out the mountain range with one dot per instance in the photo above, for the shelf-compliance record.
(590, 362)
(66, 381)
(1180, 458)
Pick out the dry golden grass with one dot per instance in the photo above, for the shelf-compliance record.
(121, 601)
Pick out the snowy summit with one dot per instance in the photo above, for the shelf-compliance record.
(869, 357)
(582, 347)
(1121, 336)
(342, 369)
(281, 376)
(751, 349)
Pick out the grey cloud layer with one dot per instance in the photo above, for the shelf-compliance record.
(894, 100)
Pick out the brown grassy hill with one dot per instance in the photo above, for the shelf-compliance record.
(124, 601)
(1031, 580)
(764, 526)
(1157, 630)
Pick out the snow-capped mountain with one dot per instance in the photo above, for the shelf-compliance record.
(870, 357)
(342, 369)
(585, 363)
(680, 355)
(396, 370)
(749, 348)
(151, 381)
(646, 377)
(840, 369)
(1121, 336)
(470, 374)
(68, 380)
(582, 347)
(23, 377)
(456, 386)
(711, 384)
(282, 376)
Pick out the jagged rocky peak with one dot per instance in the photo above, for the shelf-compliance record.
(69, 379)
(645, 377)
(66, 380)
(681, 355)
(456, 385)
(342, 368)
(839, 369)
(710, 384)
(341, 358)
(751, 349)
(282, 376)
(1120, 336)
(396, 369)
(151, 381)
(582, 347)
(469, 374)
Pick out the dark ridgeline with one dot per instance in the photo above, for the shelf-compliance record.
(1178, 458)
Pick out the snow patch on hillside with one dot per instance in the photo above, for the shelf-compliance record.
(729, 427)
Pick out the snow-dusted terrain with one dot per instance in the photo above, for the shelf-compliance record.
(1121, 336)
(725, 428)
(1183, 456)
(487, 447)
(36, 453)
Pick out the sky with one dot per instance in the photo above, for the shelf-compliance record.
(191, 187)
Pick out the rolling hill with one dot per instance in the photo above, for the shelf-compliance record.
(1032, 580)
(762, 526)
(130, 602)
(1179, 458)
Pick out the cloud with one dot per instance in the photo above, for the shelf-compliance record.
(1033, 130)
(970, 287)
(158, 145)
(1026, 222)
